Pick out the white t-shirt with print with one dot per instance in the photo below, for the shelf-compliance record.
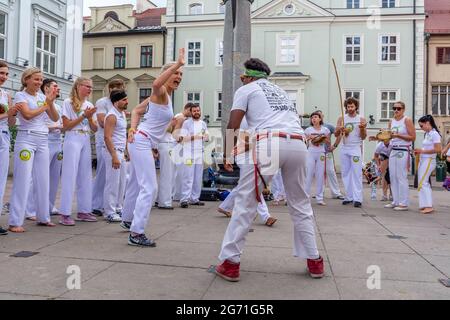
(267, 107)
(38, 123)
(103, 105)
(191, 128)
(431, 138)
(70, 114)
(4, 100)
(313, 132)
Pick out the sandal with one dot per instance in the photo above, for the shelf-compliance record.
(46, 224)
(427, 210)
(271, 221)
(16, 229)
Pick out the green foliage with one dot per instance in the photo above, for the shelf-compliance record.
(13, 132)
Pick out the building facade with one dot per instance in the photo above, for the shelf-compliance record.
(437, 63)
(378, 46)
(123, 43)
(45, 34)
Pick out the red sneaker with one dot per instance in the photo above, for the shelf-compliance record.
(315, 268)
(228, 271)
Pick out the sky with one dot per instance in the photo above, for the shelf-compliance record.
(100, 3)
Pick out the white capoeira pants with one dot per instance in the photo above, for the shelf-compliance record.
(398, 173)
(114, 184)
(4, 163)
(56, 158)
(141, 186)
(316, 169)
(351, 167)
(31, 161)
(292, 161)
(331, 176)
(98, 188)
(277, 189)
(262, 209)
(192, 178)
(76, 172)
(166, 174)
(426, 167)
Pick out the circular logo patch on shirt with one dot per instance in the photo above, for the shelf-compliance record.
(349, 127)
(60, 156)
(189, 162)
(400, 154)
(25, 155)
(322, 158)
(355, 159)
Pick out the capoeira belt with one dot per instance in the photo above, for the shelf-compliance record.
(261, 136)
(40, 133)
(424, 175)
(5, 132)
(400, 148)
(143, 133)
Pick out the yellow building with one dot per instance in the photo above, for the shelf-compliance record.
(119, 42)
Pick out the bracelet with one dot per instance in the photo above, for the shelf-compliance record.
(335, 145)
(132, 130)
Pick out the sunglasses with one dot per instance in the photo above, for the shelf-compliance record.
(397, 108)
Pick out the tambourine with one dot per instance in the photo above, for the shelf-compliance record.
(319, 139)
(384, 135)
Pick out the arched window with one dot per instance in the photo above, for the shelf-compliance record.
(196, 8)
(112, 14)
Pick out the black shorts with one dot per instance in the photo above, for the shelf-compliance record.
(383, 157)
(387, 177)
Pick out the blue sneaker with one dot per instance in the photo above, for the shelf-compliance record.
(126, 225)
(3, 232)
(141, 240)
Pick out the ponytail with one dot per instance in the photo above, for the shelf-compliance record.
(429, 118)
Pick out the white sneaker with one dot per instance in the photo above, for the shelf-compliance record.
(321, 203)
(401, 208)
(390, 206)
(114, 218)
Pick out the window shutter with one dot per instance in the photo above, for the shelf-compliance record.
(440, 55)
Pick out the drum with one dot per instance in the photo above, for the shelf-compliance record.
(384, 135)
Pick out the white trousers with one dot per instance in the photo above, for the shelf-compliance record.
(331, 176)
(277, 188)
(4, 163)
(56, 157)
(192, 178)
(292, 161)
(100, 179)
(262, 209)
(114, 184)
(76, 171)
(316, 169)
(398, 172)
(426, 167)
(166, 174)
(142, 185)
(31, 162)
(351, 167)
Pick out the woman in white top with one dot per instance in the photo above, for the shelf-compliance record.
(31, 153)
(5, 103)
(77, 116)
(403, 134)
(316, 156)
(431, 146)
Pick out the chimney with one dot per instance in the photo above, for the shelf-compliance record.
(142, 5)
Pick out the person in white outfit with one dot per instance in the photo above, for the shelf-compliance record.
(352, 130)
(194, 132)
(277, 143)
(403, 134)
(317, 156)
(103, 106)
(277, 188)
(5, 123)
(77, 116)
(331, 176)
(114, 155)
(157, 113)
(431, 146)
(31, 153)
(226, 207)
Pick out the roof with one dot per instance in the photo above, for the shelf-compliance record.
(438, 16)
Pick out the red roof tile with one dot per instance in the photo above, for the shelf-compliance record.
(438, 16)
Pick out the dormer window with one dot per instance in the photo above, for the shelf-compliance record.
(112, 15)
(195, 8)
(289, 9)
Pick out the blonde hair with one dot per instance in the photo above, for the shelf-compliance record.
(75, 95)
(401, 103)
(27, 74)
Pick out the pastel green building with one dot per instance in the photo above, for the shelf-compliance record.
(377, 44)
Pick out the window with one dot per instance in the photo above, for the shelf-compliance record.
(389, 49)
(196, 8)
(292, 94)
(2, 35)
(387, 100)
(146, 56)
(288, 49)
(46, 51)
(194, 97)
(219, 106)
(219, 53)
(144, 93)
(353, 4)
(440, 100)
(388, 3)
(120, 57)
(194, 53)
(443, 55)
(98, 58)
(222, 8)
(112, 15)
(353, 49)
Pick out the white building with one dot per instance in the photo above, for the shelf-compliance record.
(46, 34)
